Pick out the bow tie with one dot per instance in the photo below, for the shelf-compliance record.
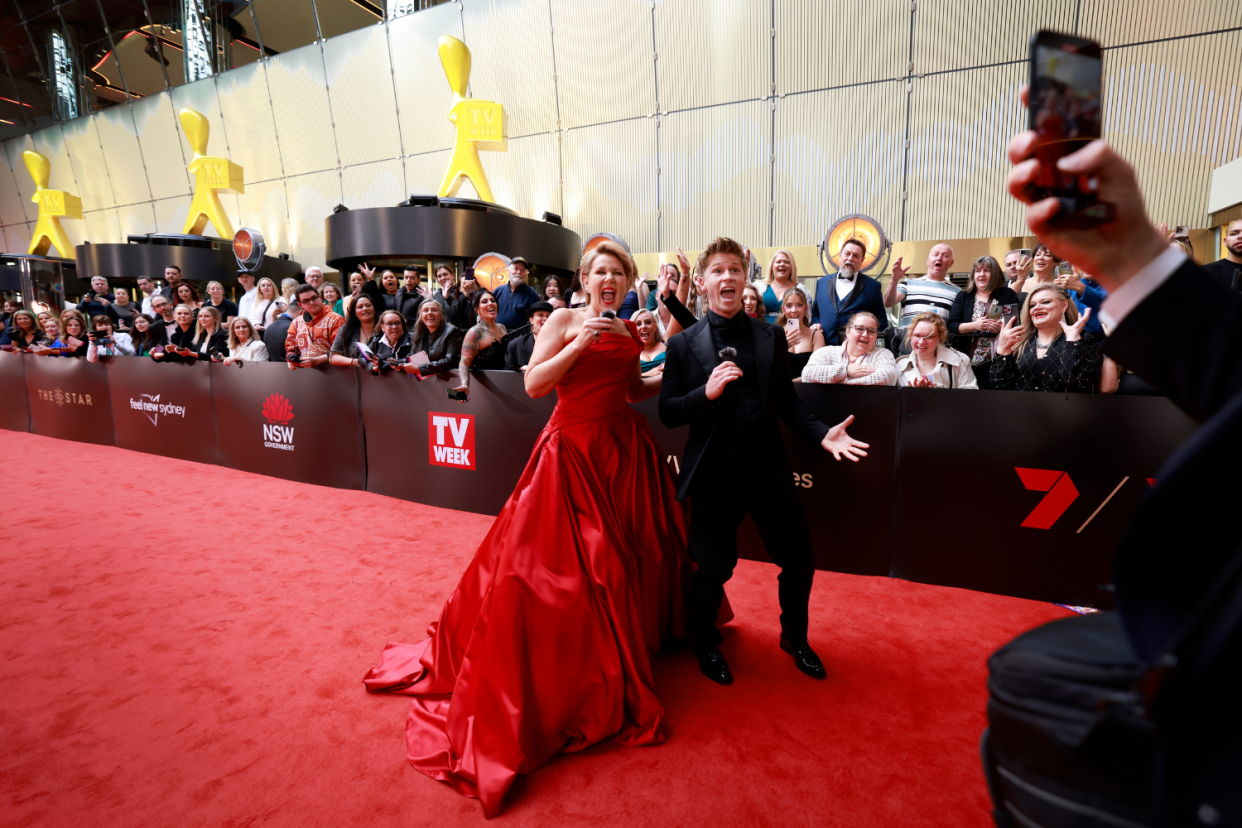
(736, 323)
(845, 278)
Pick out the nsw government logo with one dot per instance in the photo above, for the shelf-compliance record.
(278, 411)
(450, 440)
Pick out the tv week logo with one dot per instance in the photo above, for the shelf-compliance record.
(278, 411)
(450, 440)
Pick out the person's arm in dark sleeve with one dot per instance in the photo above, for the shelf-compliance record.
(680, 404)
(957, 314)
(789, 406)
(1005, 372)
(513, 359)
(679, 312)
(815, 302)
(1085, 365)
(877, 308)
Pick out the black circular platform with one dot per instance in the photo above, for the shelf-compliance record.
(201, 259)
(447, 229)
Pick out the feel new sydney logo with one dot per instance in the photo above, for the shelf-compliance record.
(277, 433)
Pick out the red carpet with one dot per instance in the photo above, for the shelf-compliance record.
(184, 645)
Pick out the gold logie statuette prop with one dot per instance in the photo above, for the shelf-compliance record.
(211, 174)
(480, 125)
(52, 205)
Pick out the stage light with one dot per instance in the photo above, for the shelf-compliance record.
(420, 201)
(553, 218)
(491, 270)
(284, 256)
(863, 228)
(340, 208)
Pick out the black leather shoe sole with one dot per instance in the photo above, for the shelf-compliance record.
(714, 666)
(805, 660)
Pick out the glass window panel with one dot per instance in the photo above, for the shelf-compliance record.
(87, 77)
(285, 25)
(336, 17)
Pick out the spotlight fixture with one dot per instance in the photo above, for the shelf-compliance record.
(284, 256)
(340, 208)
(248, 249)
(861, 228)
(421, 201)
(553, 218)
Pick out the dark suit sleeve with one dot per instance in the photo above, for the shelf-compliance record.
(789, 406)
(452, 355)
(1198, 379)
(679, 312)
(679, 403)
(513, 359)
(815, 301)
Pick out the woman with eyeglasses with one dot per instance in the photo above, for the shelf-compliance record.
(978, 310)
(1049, 351)
(931, 363)
(858, 361)
(801, 338)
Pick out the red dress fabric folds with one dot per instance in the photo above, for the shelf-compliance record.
(546, 644)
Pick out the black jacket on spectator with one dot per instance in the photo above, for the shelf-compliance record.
(158, 336)
(123, 316)
(182, 339)
(15, 337)
(274, 337)
(964, 308)
(408, 303)
(90, 306)
(227, 308)
(217, 345)
(1068, 367)
(169, 293)
(457, 310)
(1185, 534)
(1225, 272)
(518, 354)
(443, 349)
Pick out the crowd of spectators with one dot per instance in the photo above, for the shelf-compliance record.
(1031, 324)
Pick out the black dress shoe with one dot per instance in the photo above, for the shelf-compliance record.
(805, 658)
(714, 666)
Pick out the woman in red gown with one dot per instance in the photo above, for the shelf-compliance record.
(546, 644)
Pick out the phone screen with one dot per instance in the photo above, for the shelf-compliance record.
(1066, 114)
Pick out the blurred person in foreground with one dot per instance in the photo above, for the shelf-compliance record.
(931, 363)
(1178, 560)
(858, 361)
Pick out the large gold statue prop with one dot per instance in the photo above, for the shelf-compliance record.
(52, 205)
(211, 173)
(480, 124)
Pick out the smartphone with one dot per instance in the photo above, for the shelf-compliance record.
(294, 358)
(1008, 312)
(458, 394)
(1066, 114)
(1065, 269)
(1181, 230)
(1026, 251)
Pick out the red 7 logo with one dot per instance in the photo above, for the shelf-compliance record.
(1061, 493)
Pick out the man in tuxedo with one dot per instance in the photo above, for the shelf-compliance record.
(1180, 552)
(839, 297)
(727, 378)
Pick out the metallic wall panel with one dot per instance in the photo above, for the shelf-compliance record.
(170, 213)
(13, 149)
(605, 60)
(248, 122)
(527, 177)
(381, 184)
(960, 125)
(12, 206)
(137, 219)
(201, 96)
(120, 147)
(828, 167)
(364, 108)
(50, 142)
(90, 170)
(610, 182)
(301, 111)
(713, 52)
(102, 227)
(1116, 23)
(511, 44)
(715, 175)
(1173, 108)
(311, 199)
(825, 43)
(264, 206)
(424, 171)
(423, 95)
(17, 237)
(157, 126)
(962, 35)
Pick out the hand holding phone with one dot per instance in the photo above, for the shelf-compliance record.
(460, 394)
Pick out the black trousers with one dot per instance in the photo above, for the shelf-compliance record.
(724, 491)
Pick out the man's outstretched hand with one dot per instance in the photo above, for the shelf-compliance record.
(1112, 252)
(842, 444)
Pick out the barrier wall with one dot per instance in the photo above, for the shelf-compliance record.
(1006, 492)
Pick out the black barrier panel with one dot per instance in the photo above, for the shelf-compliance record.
(299, 424)
(163, 409)
(1025, 494)
(14, 403)
(69, 399)
(424, 447)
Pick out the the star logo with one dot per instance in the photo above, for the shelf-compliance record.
(59, 396)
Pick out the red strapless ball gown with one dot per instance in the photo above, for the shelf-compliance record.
(546, 643)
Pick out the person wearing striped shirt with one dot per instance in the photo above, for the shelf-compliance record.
(934, 292)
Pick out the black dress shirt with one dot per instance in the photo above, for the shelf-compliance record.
(1225, 272)
(741, 398)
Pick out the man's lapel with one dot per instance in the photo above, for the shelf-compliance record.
(764, 350)
(859, 284)
(699, 337)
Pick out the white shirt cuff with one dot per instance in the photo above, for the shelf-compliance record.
(1139, 286)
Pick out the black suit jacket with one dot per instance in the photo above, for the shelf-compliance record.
(691, 358)
(274, 338)
(1183, 536)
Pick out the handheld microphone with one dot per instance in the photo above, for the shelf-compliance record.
(727, 354)
(608, 314)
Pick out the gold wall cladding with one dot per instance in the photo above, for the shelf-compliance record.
(667, 133)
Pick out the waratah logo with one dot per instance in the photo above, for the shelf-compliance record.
(277, 409)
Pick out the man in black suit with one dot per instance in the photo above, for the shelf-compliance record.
(1184, 539)
(275, 333)
(517, 355)
(839, 297)
(172, 276)
(727, 378)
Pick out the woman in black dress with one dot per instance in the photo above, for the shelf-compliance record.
(1049, 352)
(802, 339)
(483, 347)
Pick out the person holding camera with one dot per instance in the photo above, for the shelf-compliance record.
(1045, 263)
(103, 342)
(73, 334)
(311, 334)
(979, 310)
(1049, 351)
(1086, 293)
(97, 300)
(212, 341)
